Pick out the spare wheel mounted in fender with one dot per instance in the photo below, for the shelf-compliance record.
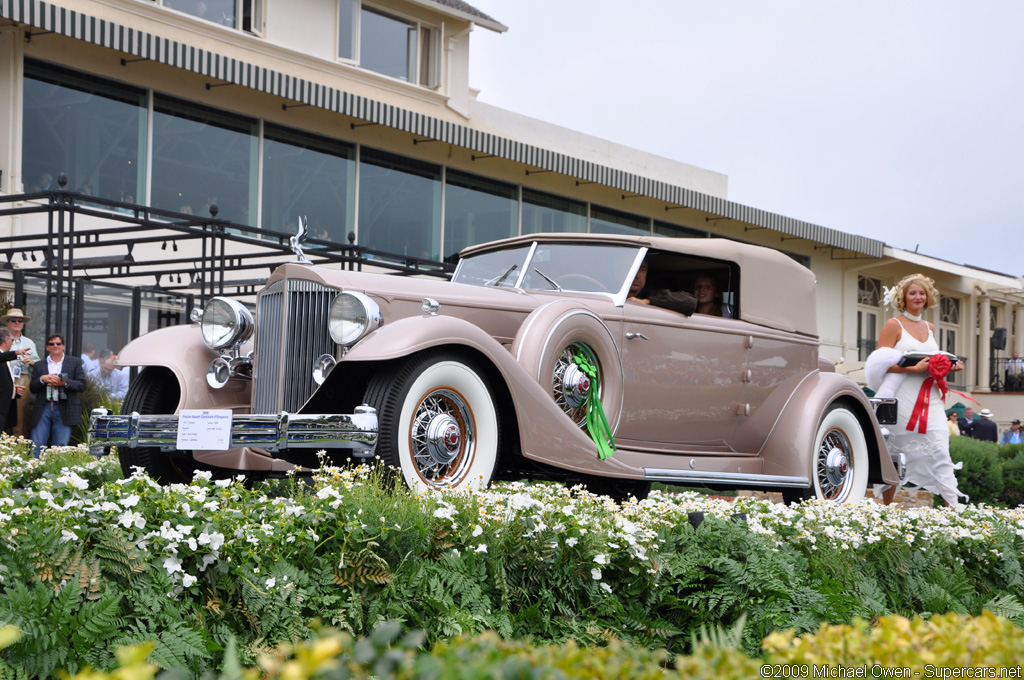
(541, 349)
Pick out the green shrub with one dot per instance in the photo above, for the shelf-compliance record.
(1008, 451)
(981, 477)
(1013, 482)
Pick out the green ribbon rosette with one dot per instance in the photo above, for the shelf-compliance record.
(597, 422)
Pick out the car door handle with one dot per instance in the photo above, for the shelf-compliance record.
(633, 336)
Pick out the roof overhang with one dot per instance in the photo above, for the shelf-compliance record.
(460, 10)
(52, 18)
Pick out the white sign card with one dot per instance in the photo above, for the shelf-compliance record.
(204, 430)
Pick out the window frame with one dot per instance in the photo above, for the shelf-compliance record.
(421, 71)
(254, 8)
(868, 316)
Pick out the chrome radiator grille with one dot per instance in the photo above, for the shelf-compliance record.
(291, 334)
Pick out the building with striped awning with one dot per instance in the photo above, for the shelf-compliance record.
(360, 117)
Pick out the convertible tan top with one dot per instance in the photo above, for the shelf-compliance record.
(775, 290)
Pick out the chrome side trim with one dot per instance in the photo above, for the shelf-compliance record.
(270, 432)
(733, 478)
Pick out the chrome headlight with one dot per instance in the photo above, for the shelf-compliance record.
(352, 316)
(226, 322)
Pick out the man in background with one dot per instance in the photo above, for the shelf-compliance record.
(984, 429)
(966, 423)
(9, 389)
(108, 378)
(15, 320)
(89, 357)
(56, 383)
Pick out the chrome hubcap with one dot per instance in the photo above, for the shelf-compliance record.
(442, 436)
(834, 467)
(571, 386)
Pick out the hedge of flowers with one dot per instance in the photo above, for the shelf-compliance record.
(89, 563)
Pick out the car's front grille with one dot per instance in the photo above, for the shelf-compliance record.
(291, 334)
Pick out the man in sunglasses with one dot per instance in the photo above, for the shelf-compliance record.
(56, 383)
(15, 320)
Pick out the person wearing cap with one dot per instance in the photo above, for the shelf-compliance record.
(984, 428)
(15, 320)
(1013, 435)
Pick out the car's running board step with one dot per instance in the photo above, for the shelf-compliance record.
(735, 479)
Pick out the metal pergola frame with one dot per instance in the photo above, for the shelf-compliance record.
(66, 267)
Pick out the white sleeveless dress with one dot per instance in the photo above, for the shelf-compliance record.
(928, 463)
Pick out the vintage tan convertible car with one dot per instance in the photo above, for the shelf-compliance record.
(504, 372)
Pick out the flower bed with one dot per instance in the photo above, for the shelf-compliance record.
(87, 566)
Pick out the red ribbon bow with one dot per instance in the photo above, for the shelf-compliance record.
(938, 369)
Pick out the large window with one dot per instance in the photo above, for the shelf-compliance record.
(607, 221)
(388, 44)
(246, 15)
(399, 205)
(869, 300)
(549, 213)
(308, 176)
(477, 210)
(91, 130)
(201, 158)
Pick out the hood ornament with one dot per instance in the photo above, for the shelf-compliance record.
(296, 241)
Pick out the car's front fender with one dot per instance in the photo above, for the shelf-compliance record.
(791, 444)
(181, 350)
(546, 434)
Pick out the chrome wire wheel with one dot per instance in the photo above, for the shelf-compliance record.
(571, 386)
(834, 465)
(438, 422)
(442, 436)
(841, 458)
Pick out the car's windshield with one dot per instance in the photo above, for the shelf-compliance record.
(493, 268)
(583, 267)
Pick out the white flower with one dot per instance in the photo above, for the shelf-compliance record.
(214, 540)
(172, 564)
(223, 483)
(477, 530)
(187, 580)
(205, 475)
(107, 506)
(444, 512)
(129, 518)
(607, 587)
(595, 574)
(571, 541)
(601, 559)
(66, 536)
(71, 479)
(482, 547)
(130, 501)
(271, 582)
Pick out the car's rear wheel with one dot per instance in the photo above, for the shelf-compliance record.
(438, 422)
(839, 464)
(155, 391)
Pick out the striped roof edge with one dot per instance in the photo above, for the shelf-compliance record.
(74, 24)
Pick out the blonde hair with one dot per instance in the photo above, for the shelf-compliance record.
(899, 300)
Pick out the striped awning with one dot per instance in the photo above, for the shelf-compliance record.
(49, 17)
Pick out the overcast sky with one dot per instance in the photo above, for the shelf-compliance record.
(899, 120)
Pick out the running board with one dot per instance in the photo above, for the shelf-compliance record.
(735, 479)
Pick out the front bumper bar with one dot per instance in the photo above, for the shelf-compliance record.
(271, 433)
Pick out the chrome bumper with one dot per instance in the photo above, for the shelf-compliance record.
(271, 433)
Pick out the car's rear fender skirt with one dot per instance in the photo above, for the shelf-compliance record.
(181, 350)
(791, 444)
(545, 433)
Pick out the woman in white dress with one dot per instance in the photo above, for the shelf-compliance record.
(927, 454)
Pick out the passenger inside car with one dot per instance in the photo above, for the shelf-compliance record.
(709, 297)
(675, 300)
